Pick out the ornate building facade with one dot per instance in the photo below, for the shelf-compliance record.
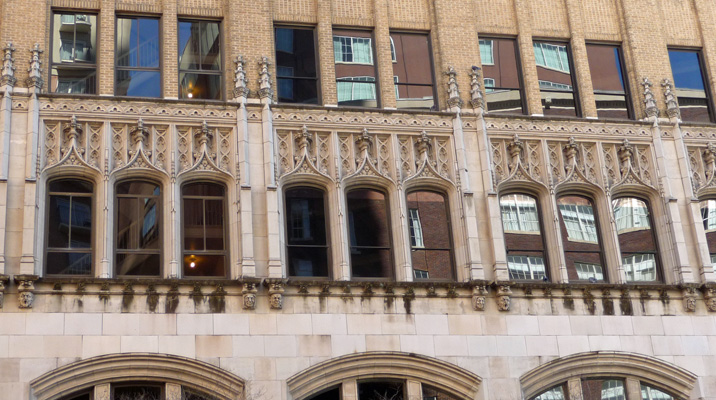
(365, 199)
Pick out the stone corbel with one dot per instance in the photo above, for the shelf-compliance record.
(710, 297)
(26, 290)
(689, 294)
(4, 279)
(276, 289)
(503, 297)
(479, 295)
(249, 290)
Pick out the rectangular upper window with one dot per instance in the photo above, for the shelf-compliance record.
(74, 53)
(414, 71)
(355, 69)
(501, 76)
(296, 71)
(137, 57)
(554, 72)
(608, 80)
(692, 94)
(199, 60)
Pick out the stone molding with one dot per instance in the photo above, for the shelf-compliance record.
(137, 367)
(661, 374)
(389, 365)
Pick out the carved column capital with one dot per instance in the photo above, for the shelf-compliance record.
(26, 290)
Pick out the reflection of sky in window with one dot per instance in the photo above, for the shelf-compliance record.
(284, 40)
(618, 61)
(686, 69)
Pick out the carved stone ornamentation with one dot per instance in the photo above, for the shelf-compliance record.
(625, 152)
(672, 105)
(477, 101)
(249, 295)
(139, 136)
(453, 90)
(479, 294)
(3, 281)
(649, 101)
(710, 298)
(571, 150)
(34, 79)
(276, 289)
(503, 297)
(8, 68)
(25, 290)
(265, 89)
(689, 294)
(240, 80)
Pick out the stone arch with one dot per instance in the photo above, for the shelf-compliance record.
(645, 369)
(389, 365)
(137, 367)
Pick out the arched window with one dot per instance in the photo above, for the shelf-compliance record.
(430, 238)
(523, 237)
(69, 228)
(306, 240)
(603, 389)
(204, 230)
(138, 229)
(580, 238)
(708, 215)
(636, 239)
(369, 229)
(142, 391)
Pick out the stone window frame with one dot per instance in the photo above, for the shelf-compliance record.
(411, 368)
(633, 368)
(98, 373)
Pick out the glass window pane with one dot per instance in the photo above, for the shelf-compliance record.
(140, 264)
(306, 232)
(523, 240)
(308, 261)
(214, 224)
(689, 85)
(81, 222)
(74, 39)
(148, 46)
(126, 46)
(708, 214)
(138, 227)
(193, 224)
(66, 263)
(74, 80)
(137, 392)
(580, 238)
(332, 394)
(296, 66)
(652, 393)
(74, 186)
(503, 93)
(204, 265)
(189, 46)
(380, 390)
(138, 83)
(370, 217)
(58, 225)
(556, 393)
(605, 67)
(355, 70)
(636, 239)
(413, 70)
(200, 86)
(555, 79)
(429, 228)
(603, 389)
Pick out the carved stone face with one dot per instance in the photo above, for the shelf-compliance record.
(479, 302)
(690, 304)
(276, 301)
(710, 303)
(504, 303)
(250, 301)
(26, 299)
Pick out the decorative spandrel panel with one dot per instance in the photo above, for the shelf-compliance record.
(702, 165)
(318, 150)
(517, 159)
(70, 142)
(205, 148)
(129, 139)
(627, 163)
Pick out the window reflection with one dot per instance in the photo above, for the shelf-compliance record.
(556, 393)
(708, 216)
(137, 57)
(412, 71)
(296, 65)
(138, 226)
(306, 242)
(369, 230)
(69, 228)
(380, 390)
(692, 95)
(74, 53)
(555, 78)
(605, 66)
(203, 229)
(636, 239)
(603, 389)
(652, 393)
(580, 238)
(503, 88)
(523, 239)
(355, 69)
(199, 60)
(429, 227)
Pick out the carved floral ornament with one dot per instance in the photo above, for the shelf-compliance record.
(702, 163)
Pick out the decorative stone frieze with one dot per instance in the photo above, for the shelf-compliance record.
(672, 105)
(34, 79)
(7, 77)
(275, 289)
(453, 90)
(25, 290)
(241, 89)
(477, 101)
(265, 89)
(650, 108)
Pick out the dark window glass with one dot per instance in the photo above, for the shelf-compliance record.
(137, 392)
(500, 65)
(580, 239)
(692, 95)
(69, 228)
(413, 71)
(203, 229)
(606, 389)
(332, 394)
(523, 237)
(605, 65)
(636, 239)
(431, 250)
(355, 68)
(554, 72)
(75, 396)
(138, 229)
(306, 232)
(190, 394)
(368, 223)
(137, 57)
(74, 53)
(380, 390)
(555, 393)
(431, 393)
(199, 60)
(296, 66)
(708, 215)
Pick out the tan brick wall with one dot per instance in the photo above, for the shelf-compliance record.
(601, 20)
(409, 14)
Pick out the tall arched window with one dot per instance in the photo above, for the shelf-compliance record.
(369, 229)
(204, 230)
(69, 228)
(138, 229)
(430, 238)
(580, 238)
(636, 239)
(523, 237)
(306, 239)
(708, 215)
